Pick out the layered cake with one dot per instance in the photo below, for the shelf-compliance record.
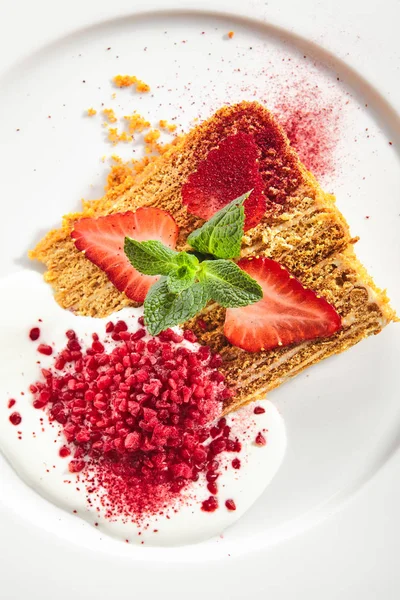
(320, 302)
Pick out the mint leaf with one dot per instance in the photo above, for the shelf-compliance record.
(184, 275)
(228, 285)
(163, 309)
(150, 257)
(222, 234)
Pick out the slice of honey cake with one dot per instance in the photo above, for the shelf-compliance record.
(289, 219)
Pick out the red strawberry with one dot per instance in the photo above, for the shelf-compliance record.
(102, 241)
(288, 313)
(228, 172)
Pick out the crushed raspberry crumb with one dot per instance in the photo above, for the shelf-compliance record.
(15, 418)
(64, 451)
(259, 410)
(212, 488)
(189, 336)
(260, 440)
(236, 464)
(109, 327)
(202, 324)
(45, 349)
(210, 505)
(230, 505)
(34, 334)
(75, 466)
(11, 403)
(137, 418)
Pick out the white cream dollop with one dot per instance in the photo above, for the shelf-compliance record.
(33, 446)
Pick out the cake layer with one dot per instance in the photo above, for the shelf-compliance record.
(302, 229)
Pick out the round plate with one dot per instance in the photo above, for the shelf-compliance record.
(343, 415)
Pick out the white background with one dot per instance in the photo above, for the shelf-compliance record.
(354, 554)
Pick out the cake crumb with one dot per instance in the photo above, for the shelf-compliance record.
(91, 112)
(114, 136)
(136, 122)
(130, 80)
(110, 115)
(118, 175)
(168, 126)
(151, 140)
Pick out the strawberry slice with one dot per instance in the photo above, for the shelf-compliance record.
(288, 313)
(102, 241)
(228, 172)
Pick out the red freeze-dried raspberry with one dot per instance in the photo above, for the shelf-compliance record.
(137, 417)
(260, 440)
(212, 488)
(109, 327)
(210, 505)
(45, 349)
(15, 418)
(227, 172)
(64, 451)
(230, 504)
(75, 466)
(34, 334)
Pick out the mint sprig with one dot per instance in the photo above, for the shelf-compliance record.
(190, 280)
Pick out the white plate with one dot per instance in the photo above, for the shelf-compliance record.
(342, 416)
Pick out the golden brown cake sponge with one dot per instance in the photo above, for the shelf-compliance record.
(302, 229)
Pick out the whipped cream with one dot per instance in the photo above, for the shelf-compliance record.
(32, 447)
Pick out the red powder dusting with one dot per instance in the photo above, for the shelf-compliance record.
(11, 403)
(228, 172)
(34, 334)
(15, 418)
(312, 130)
(137, 418)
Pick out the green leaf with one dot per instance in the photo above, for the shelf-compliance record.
(222, 234)
(185, 274)
(228, 285)
(150, 257)
(162, 309)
